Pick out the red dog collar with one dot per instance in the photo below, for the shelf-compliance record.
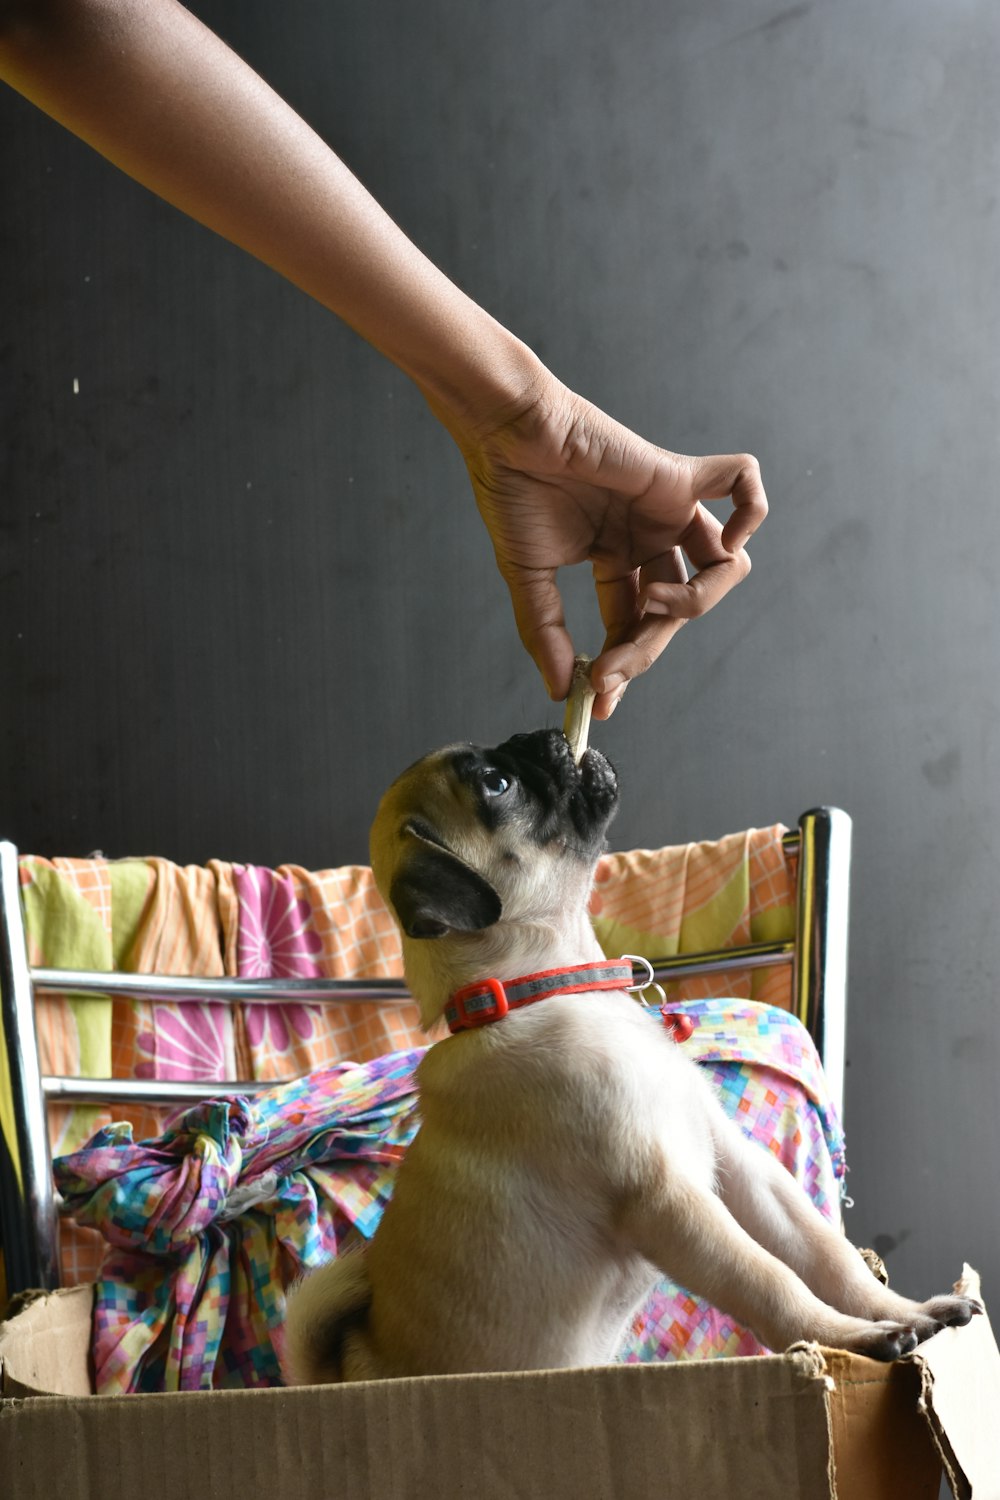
(488, 1000)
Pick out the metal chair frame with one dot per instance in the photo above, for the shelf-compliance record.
(28, 1209)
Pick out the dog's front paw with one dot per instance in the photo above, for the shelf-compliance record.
(951, 1311)
(891, 1340)
(886, 1341)
(894, 1340)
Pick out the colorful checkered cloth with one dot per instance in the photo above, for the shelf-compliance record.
(208, 1223)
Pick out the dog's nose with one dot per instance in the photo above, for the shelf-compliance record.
(546, 749)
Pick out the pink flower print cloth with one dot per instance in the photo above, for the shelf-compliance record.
(275, 941)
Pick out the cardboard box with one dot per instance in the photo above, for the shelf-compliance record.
(806, 1425)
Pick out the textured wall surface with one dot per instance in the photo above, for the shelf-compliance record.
(244, 583)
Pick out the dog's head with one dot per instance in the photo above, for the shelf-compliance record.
(473, 848)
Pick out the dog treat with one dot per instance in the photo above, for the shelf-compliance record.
(576, 726)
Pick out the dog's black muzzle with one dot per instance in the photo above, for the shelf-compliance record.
(584, 796)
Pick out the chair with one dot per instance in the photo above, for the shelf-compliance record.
(28, 1210)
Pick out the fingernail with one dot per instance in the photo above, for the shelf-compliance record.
(655, 607)
(614, 680)
(617, 699)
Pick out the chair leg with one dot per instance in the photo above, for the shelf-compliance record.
(28, 1221)
(819, 980)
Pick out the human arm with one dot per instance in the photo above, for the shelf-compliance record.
(161, 96)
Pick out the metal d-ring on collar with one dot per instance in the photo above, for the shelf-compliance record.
(649, 983)
(679, 1024)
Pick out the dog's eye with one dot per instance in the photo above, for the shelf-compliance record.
(493, 784)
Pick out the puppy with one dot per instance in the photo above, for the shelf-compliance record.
(569, 1153)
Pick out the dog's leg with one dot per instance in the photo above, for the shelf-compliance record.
(686, 1230)
(772, 1207)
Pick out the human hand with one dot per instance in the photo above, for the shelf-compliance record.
(560, 483)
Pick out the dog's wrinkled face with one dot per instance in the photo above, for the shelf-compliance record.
(469, 837)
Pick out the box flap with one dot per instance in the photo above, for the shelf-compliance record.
(750, 1426)
(45, 1343)
(960, 1397)
(882, 1446)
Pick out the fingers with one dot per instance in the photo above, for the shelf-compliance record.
(541, 624)
(634, 638)
(619, 664)
(738, 475)
(717, 571)
(702, 592)
(644, 610)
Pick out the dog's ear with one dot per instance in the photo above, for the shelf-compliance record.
(434, 892)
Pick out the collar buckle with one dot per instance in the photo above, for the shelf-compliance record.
(477, 1004)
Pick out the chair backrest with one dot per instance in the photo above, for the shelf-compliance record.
(28, 1217)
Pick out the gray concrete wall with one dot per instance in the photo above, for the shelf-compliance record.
(244, 582)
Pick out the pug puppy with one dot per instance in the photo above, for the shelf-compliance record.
(570, 1154)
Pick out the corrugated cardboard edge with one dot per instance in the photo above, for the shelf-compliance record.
(782, 1421)
(960, 1399)
(753, 1427)
(45, 1343)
